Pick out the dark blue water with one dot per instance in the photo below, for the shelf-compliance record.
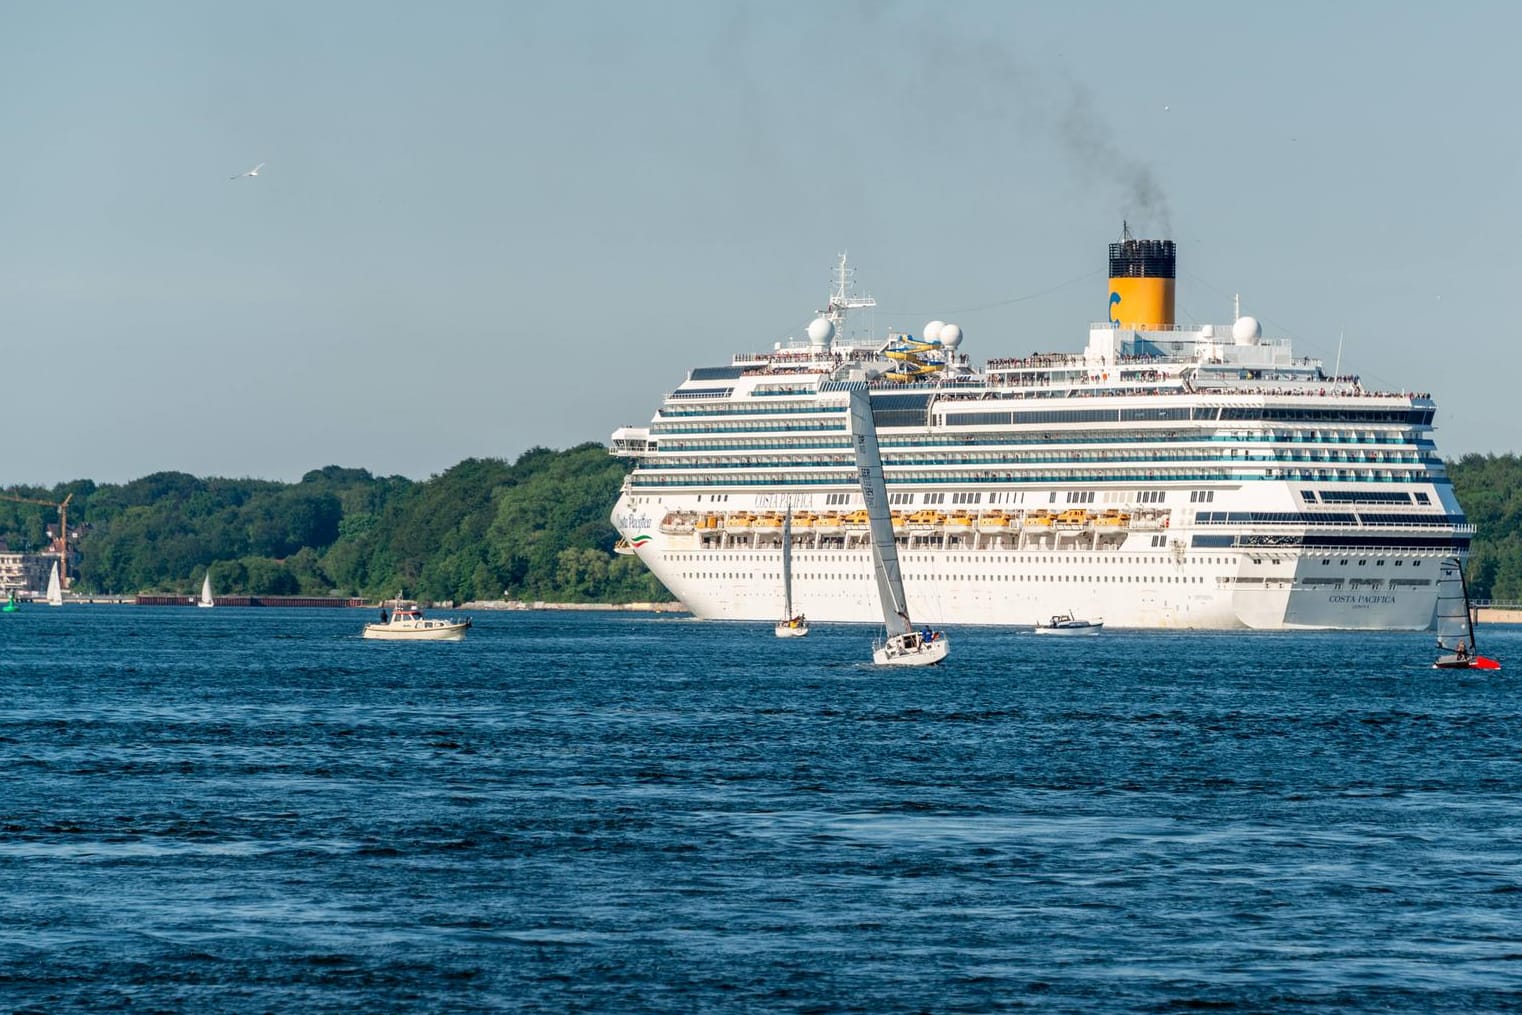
(251, 811)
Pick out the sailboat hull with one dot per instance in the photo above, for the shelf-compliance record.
(785, 629)
(901, 651)
(1452, 662)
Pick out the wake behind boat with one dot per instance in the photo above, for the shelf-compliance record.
(1066, 623)
(406, 622)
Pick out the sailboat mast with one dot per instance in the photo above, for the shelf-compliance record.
(787, 564)
(1468, 610)
(874, 492)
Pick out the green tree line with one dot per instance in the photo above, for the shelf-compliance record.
(537, 528)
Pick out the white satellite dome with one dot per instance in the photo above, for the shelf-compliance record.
(932, 331)
(951, 335)
(1246, 330)
(821, 330)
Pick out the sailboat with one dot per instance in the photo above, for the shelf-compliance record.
(789, 626)
(1455, 622)
(206, 601)
(55, 588)
(903, 646)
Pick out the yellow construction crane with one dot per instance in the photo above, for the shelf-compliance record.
(63, 527)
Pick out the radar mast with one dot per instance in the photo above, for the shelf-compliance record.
(842, 300)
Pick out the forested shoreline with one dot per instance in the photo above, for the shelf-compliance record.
(535, 529)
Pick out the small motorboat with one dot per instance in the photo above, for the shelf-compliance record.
(1066, 623)
(405, 622)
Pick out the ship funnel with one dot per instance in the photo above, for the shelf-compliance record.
(1141, 283)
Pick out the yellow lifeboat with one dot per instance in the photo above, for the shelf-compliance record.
(1073, 518)
(804, 519)
(829, 521)
(1113, 518)
(769, 521)
(959, 521)
(899, 521)
(740, 520)
(1039, 519)
(926, 518)
(857, 519)
(993, 521)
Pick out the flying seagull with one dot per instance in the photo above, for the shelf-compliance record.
(252, 172)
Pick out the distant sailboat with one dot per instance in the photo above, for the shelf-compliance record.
(1455, 622)
(206, 602)
(903, 646)
(789, 626)
(55, 588)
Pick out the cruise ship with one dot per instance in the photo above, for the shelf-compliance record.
(1165, 476)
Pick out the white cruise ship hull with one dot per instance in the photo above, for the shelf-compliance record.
(1145, 588)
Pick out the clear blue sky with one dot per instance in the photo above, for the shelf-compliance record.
(488, 226)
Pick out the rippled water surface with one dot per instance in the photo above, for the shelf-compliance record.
(256, 810)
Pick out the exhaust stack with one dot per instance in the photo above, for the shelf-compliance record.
(1141, 283)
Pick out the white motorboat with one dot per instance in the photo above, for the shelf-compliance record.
(1066, 623)
(405, 622)
(903, 645)
(791, 625)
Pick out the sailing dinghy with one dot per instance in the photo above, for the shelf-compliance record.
(55, 587)
(1455, 622)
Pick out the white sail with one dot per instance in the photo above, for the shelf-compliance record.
(787, 565)
(902, 647)
(55, 587)
(874, 491)
(206, 599)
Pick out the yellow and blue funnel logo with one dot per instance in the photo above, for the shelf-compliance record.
(1141, 303)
